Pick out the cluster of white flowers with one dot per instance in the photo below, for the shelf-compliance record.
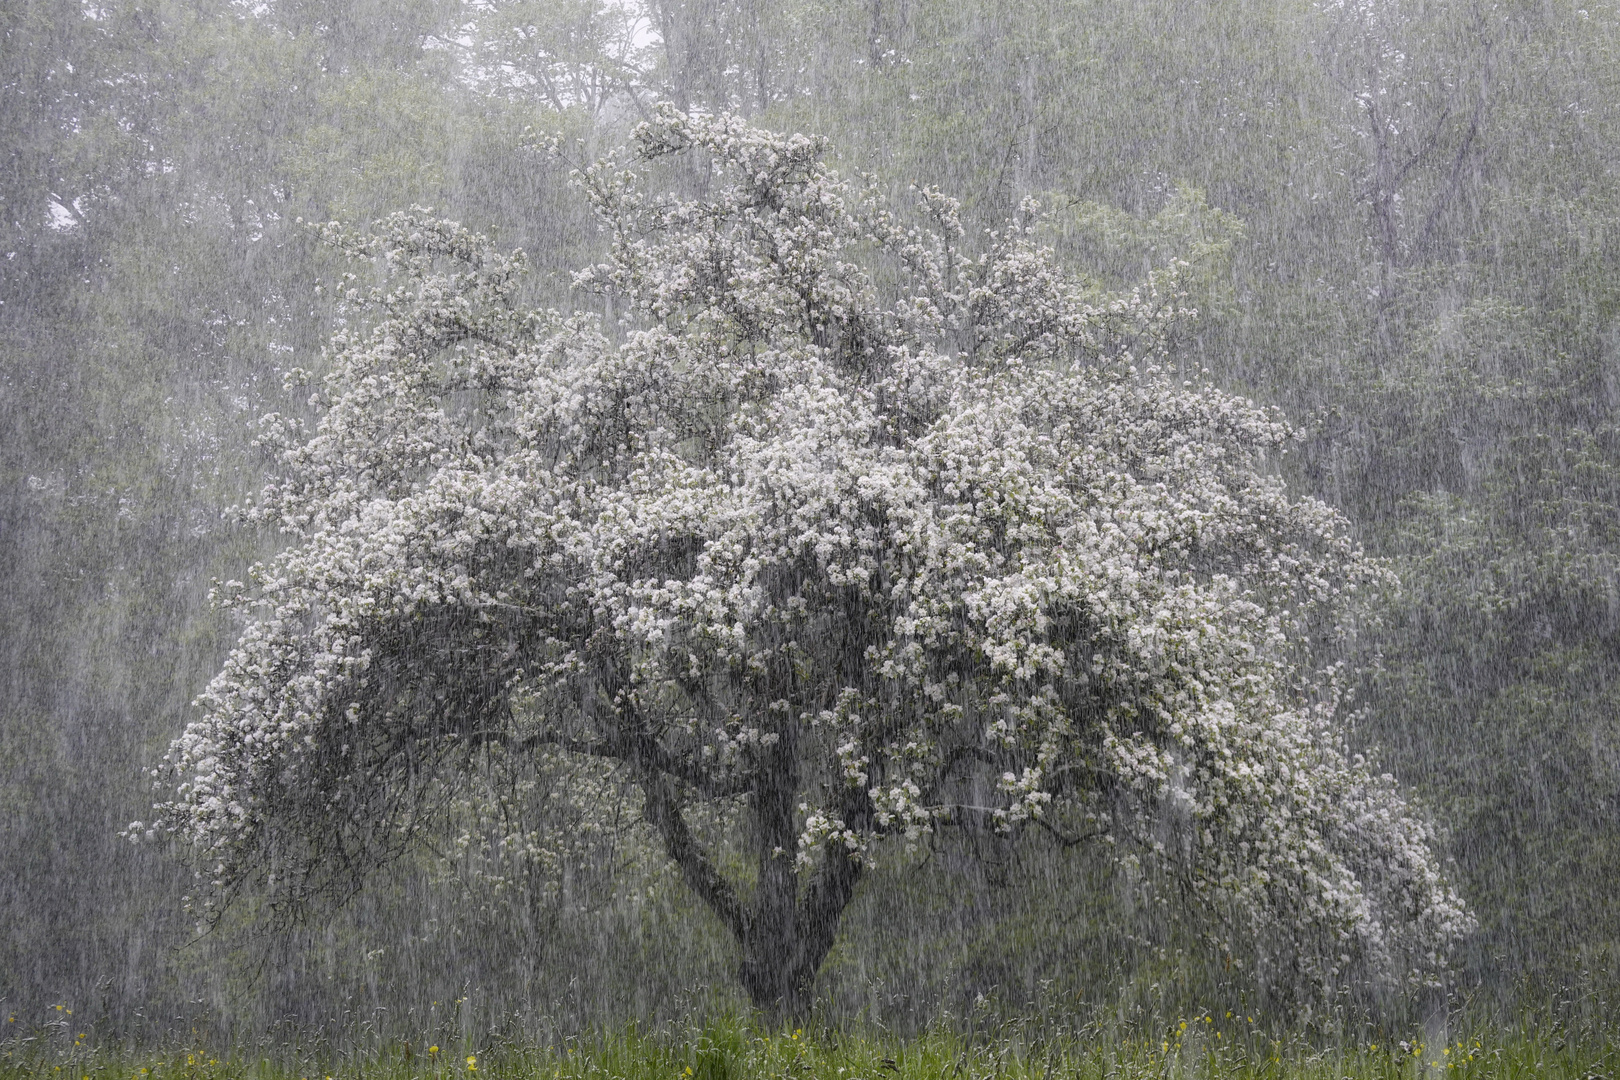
(837, 518)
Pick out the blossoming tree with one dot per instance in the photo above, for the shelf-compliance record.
(837, 525)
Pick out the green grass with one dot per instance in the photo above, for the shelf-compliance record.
(1201, 1046)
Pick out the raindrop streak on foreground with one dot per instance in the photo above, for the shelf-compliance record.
(1398, 228)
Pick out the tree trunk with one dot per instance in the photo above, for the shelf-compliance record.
(788, 935)
(785, 932)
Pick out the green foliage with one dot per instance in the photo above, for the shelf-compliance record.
(1459, 387)
(140, 327)
(1120, 249)
(1206, 1044)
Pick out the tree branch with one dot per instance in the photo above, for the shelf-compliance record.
(643, 750)
(661, 808)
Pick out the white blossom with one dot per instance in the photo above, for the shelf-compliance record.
(871, 532)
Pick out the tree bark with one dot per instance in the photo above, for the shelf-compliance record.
(783, 932)
(785, 951)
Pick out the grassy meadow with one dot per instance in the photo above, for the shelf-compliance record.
(1204, 1045)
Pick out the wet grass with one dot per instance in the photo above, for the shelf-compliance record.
(1200, 1046)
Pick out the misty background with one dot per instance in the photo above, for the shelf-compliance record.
(1402, 220)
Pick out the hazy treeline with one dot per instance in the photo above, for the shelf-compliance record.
(1402, 221)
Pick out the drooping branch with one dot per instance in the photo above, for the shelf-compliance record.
(661, 807)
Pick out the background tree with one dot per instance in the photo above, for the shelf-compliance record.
(153, 284)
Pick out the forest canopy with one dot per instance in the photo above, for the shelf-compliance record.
(1399, 225)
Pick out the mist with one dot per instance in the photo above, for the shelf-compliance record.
(1397, 223)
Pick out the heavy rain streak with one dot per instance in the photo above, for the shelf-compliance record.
(727, 538)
